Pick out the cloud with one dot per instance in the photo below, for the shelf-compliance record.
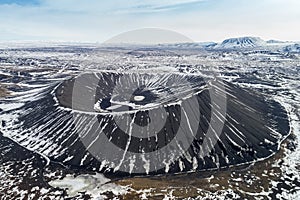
(115, 5)
(94, 20)
(158, 6)
(20, 2)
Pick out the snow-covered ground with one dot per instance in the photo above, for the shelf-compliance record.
(26, 71)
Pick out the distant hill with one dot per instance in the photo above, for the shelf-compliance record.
(190, 45)
(241, 42)
(294, 48)
(275, 42)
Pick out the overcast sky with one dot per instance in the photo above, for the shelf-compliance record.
(99, 20)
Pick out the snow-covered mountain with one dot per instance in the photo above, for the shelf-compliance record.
(275, 42)
(241, 42)
(294, 48)
(190, 45)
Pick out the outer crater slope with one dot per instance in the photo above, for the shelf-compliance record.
(150, 123)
